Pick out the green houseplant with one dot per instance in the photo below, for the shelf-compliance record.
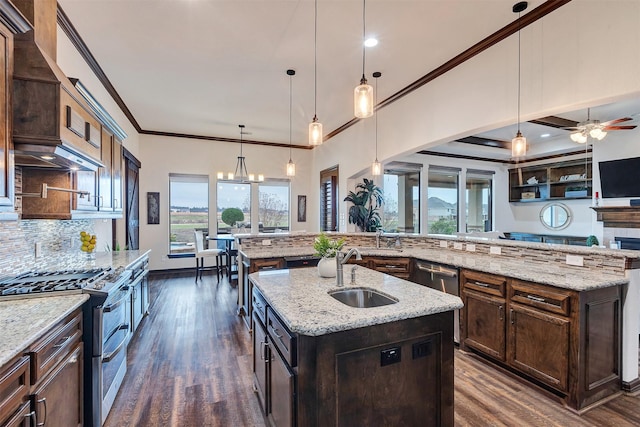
(366, 202)
(327, 249)
(592, 241)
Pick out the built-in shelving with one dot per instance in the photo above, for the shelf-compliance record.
(556, 181)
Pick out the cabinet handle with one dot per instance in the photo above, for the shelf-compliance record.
(275, 332)
(268, 267)
(512, 315)
(62, 342)
(483, 285)
(44, 402)
(392, 266)
(501, 313)
(535, 298)
(32, 418)
(263, 351)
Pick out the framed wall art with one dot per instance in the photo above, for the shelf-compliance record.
(302, 208)
(153, 208)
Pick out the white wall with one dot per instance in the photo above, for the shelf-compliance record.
(165, 155)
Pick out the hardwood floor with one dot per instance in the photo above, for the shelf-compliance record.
(190, 365)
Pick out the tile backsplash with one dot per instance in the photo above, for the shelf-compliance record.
(18, 240)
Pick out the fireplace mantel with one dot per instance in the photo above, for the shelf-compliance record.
(618, 216)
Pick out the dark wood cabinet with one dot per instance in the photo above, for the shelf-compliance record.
(6, 151)
(57, 399)
(260, 361)
(24, 417)
(14, 391)
(561, 339)
(398, 267)
(251, 266)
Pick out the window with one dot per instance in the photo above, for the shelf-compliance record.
(235, 198)
(328, 198)
(273, 205)
(442, 201)
(401, 201)
(479, 200)
(188, 210)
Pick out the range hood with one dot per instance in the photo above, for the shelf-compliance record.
(52, 124)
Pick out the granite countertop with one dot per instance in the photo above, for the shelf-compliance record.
(565, 276)
(22, 321)
(301, 299)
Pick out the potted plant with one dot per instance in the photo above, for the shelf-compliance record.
(366, 202)
(592, 241)
(327, 249)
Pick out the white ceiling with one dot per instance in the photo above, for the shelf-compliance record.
(202, 67)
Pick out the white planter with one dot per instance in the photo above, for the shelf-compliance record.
(327, 267)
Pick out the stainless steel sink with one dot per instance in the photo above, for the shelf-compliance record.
(362, 297)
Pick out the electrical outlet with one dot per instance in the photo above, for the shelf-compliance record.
(457, 245)
(495, 250)
(471, 248)
(390, 356)
(266, 242)
(444, 244)
(421, 349)
(575, 260)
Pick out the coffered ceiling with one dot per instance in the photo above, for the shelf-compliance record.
(201, 67)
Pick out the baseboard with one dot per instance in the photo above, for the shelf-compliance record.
(631, 386)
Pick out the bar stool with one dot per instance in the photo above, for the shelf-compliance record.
(202, 253)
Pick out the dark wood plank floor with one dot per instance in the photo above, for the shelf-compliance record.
(190, 365)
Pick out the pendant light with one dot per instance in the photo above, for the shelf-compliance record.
(241, 173)
(519, 143)
(363, 93)
(291, 167)
(376, 167)
(315, 127)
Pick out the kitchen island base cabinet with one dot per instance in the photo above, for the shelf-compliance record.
(566, 341)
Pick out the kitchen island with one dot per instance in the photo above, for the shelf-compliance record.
(318, 361)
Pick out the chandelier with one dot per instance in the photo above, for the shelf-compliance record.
(241, 173)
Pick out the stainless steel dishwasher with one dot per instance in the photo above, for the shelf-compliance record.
(442, 278)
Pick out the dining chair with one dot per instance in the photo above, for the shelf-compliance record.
(202, 253)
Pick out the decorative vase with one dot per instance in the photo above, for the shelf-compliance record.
(327, 267)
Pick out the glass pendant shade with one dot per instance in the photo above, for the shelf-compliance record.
(363, 100)
(597, 133)
(578, 137)
(315, 132)
(518, 145)
(376, 168)
(291, 168)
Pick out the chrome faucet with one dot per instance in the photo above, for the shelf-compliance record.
(341, 259)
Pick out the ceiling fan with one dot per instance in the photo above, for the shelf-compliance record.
(595, 129)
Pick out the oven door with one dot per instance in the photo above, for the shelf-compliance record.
(110, 355)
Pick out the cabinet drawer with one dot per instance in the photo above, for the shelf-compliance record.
(267, 264)
(391, 265)
(25, 417)
(259, 305)
(284, 340)
(14, 386)
(552, 300)
(485, 283)
(55, 346)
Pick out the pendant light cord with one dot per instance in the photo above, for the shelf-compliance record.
(519, 71)
(364, 34)
(315, 62)
(376, 121)
(290, 103)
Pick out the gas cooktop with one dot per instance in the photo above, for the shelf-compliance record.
(41, 283)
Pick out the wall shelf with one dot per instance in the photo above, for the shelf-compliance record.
(555, 181)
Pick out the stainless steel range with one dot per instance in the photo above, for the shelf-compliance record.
(106, 320)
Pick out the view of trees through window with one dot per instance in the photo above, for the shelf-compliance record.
(274, 206)
(235, 197)
(442, 202)
(188, 210)
(401, 202)
(478, 197)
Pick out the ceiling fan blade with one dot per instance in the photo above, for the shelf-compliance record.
(571, 128)
(613, 122)
(608, 128)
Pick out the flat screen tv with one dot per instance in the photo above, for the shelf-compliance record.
(620, 178)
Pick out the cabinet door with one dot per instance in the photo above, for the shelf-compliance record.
(260, 362)
(116, 175)
(86, 181)
(6, 155)
(136, 306)
(539, 345)
(25, 417)
(58, 400)
(281, 391)
(484, 324)
(105, 202)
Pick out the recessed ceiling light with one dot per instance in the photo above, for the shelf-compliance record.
(371, 42)
(545, 135)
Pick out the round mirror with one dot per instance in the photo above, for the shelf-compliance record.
(555, 216)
